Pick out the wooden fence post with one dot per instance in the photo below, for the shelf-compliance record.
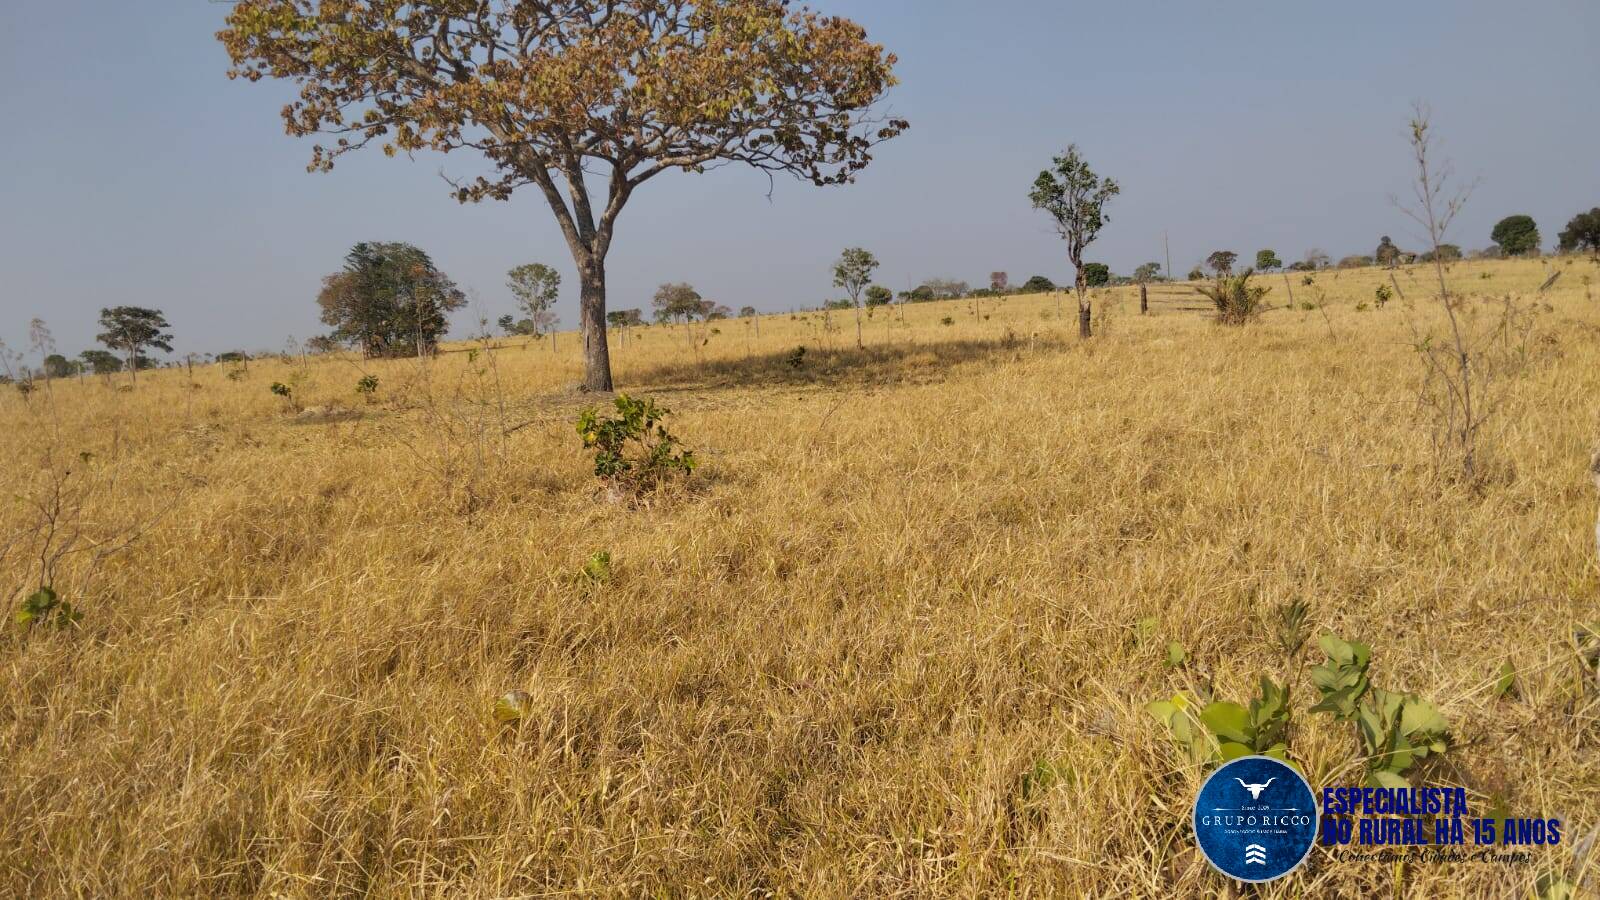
(1144, 299)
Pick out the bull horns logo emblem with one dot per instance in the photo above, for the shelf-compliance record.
(1255, 789)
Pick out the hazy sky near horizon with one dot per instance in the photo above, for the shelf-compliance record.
(133, 172)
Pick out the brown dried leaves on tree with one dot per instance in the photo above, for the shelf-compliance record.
(556, 94)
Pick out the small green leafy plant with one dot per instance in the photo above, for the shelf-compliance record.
(43, 606)
(796, 359)
(1224, 731)
(598, 567)
(367, 386)
(1396, 731)
(632, 449)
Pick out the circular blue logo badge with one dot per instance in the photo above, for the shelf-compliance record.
(1255, 819)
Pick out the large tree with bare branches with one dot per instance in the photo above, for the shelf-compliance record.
(583, 99)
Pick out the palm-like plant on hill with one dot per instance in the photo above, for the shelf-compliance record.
(1237, 300)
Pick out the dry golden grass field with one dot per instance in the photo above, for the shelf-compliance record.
(886, 641)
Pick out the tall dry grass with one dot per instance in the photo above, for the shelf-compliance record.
(885, 645)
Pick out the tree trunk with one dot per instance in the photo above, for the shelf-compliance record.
(592, 315)
(1085, 308)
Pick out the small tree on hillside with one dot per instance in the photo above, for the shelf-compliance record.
(1387, 254)
(390, 300)
(1147, 273)
(1075, 198)
(1096, 274)
(550, 93)
(853, 272)
(1221, 261)
(101, 362)
(1038, 284)
(878, 295)
(1516, 235)
(536, 287)
(999, 282)
(678, 302)
(1582, 233)
(131, 329)
(58, 366)
(1267, 260)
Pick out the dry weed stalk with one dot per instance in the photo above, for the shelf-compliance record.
(1461, 368)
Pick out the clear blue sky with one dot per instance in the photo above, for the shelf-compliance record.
(133, 172)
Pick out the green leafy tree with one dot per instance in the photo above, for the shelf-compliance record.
(1267, 260)
(514, 327)
(1516, 235)
(1096, 274)
(1075, 199)
(559, 95)
(390, 300)
(101, 362)
(1221, 261)
(58, 366)
(676, 302)
(1148, 272)
(1387, 254)
(852, 273)
(1582, 233)
(536, 287)
(1038, 284)
(132, 329)
(878, 295)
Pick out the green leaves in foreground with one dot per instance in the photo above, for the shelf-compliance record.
(1343, 681)
(1395, 730)
(1223, 731)
(633, 448)
(598, 567)
(44, 606)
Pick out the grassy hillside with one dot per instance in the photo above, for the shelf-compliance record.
(887, 642)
